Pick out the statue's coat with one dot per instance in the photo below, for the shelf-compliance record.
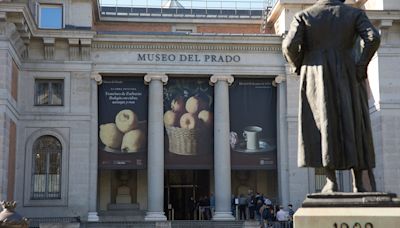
(334, 122)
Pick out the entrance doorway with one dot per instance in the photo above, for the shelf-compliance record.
(183, 190)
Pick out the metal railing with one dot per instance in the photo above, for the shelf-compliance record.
(35, 223)
(189, 8)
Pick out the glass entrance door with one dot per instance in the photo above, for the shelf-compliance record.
(183, 190)
(181, 202)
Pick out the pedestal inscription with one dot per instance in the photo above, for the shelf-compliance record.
(348, 210)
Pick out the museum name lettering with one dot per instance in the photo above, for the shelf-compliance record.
(206, 58)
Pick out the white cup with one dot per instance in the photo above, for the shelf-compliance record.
(251, 135)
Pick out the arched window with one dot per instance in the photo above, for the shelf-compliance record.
(46, 168)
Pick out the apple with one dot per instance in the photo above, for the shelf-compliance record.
(206, 117)
(178, 105)
(133, 141)
(126, 120)
(189, 121)
(110, 136)
(194, 105)
(171, 118)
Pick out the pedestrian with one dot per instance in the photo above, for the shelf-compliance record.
(251, 204)
(242, 207)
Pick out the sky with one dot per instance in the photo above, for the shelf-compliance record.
(210, 4)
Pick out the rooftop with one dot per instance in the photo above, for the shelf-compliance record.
(216, 9)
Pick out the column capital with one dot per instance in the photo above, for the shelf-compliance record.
(97, 77)
(222, 77)
(279, 79)
(154, 76)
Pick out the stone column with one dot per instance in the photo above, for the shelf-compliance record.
(93, 154)
(155, 156)
(222, 152)
(283, 157)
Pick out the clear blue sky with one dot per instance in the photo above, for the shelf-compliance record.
(224, 4)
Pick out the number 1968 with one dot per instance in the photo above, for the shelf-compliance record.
(356, 225)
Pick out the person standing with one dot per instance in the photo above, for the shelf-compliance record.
(242, 207)
(282, 215)
(251, 204)
(192, 208)
(334, 123)
(290, 211)
(212, 204)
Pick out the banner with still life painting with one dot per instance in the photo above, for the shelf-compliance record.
(188, 121)
(253, 136)
(122, 117)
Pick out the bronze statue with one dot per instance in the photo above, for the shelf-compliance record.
(334, 123)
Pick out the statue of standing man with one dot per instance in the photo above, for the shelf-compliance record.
(334, 123)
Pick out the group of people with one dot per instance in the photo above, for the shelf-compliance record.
(203, 207)
(258, 207)
(251, 206)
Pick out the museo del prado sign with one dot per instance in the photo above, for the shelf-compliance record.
(176, 57)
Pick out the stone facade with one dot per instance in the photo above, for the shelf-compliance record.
(91, 48)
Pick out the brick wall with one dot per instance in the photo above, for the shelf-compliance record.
(132, 27)
(229, 28)
(167, 27)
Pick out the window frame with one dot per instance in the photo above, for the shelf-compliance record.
(40, 6)
(50, 88)
(46, 193)
(62, 135)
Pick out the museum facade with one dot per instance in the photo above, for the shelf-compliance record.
(109, 109)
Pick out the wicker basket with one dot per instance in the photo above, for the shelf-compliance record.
(188, 141)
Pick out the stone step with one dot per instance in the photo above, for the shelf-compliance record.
(122, 213)
(113, 218)
(123, 206)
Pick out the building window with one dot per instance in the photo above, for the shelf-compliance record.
(50, 16)
(46, 168)
(49, 92)
(184, 30)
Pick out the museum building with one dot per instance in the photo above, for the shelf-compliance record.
(128, 112)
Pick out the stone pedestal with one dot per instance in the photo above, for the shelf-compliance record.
(370, 210)
(123, 195)
(123, 191)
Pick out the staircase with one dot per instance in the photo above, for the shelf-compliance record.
(122, 213)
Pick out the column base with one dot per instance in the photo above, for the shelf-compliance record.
(93, 217)
(223, 216)
(155, 216)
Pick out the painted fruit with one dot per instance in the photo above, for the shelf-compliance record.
(206, 117)
(189, 121)
(133, 141)
(110, 136)
(194, 105)
(178, 105)
(126, 120)
(171, 119)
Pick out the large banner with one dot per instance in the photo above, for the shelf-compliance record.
(123, 105)
(188, 121)
(252, 107)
